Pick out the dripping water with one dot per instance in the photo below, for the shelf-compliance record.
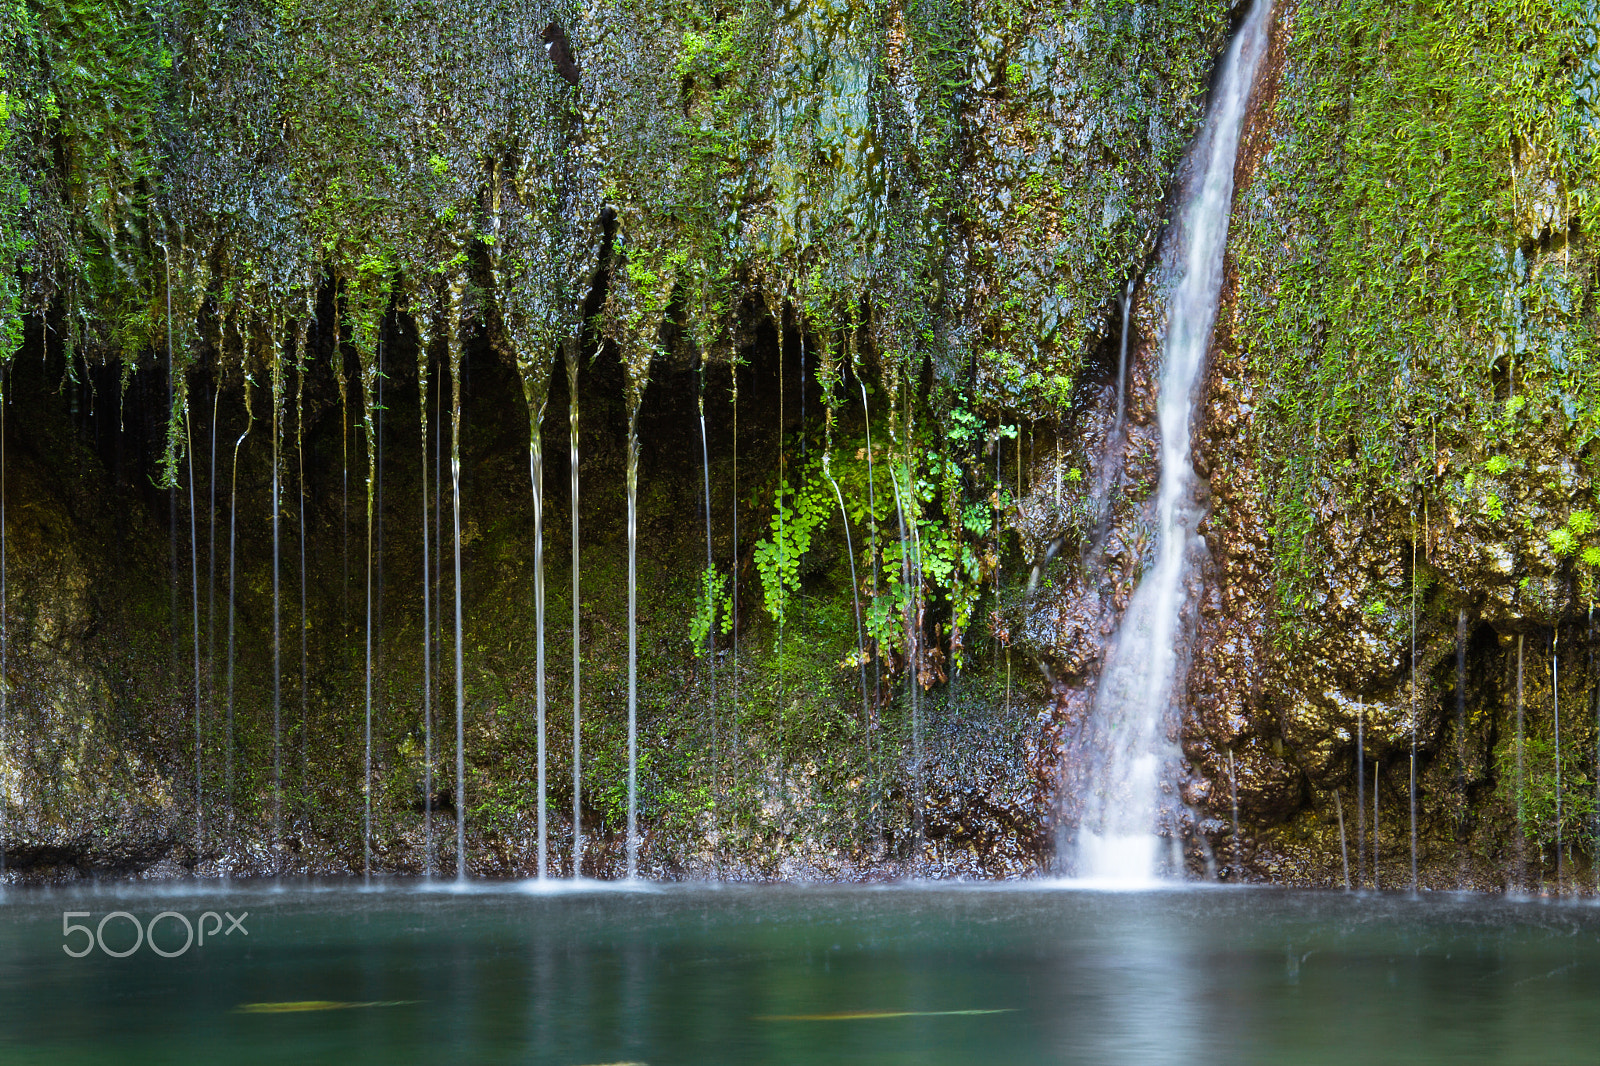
(1361, 795)
(1412, 789)
(877, 659)
(1233, 795)
(194, 603)
(277, 634)
(5, 629)
(1377, 774)
(1461, 742)
(233, 542)
(711, 575)
(1555, 713)
(855, 589)
(457, 288)
(1121, 795)
(370, 375)
(1344, 852)
(536, 391)
(424, 337)
(571, 353)
(300, 516)
(633, 640)
(1522, 830)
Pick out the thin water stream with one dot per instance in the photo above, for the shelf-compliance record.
(424, 321)
(233, 542)
(457, 298)
(570, 351)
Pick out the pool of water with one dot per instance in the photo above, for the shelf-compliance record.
(312, 973)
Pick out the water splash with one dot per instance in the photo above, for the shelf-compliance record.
(1122, 793)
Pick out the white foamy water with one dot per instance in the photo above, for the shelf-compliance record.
(1124, 792)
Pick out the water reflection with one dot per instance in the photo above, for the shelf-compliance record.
(921, 974)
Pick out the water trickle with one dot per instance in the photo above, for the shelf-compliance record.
(1377, 774)
(829, 373)
(1555, 714)
(5, 627)
(1522, 825)
(211, 556)
(535, 374)
(570, 350)
(1411, 791)
(633, 640)
(1233, 796)
(1361, 794)
(711, 572)
(1344, 851)
(300, 516)
(277, 629)
(1461, 739)
(233, 542)
(194, 605)
(457, 296)
(368, 357)
(872, 531)
(1121, 793)
(424, 322)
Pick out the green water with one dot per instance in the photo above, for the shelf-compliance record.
(799, 975)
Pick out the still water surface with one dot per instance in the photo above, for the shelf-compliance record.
(789, 975)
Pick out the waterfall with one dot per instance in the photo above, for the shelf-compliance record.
(872, 530)
(1134, 706)
(711, 572)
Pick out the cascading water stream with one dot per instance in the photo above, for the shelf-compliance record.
(194, 604)
(570, 351)
(1121, 805)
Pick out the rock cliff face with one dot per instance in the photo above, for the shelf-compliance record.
(748, 213)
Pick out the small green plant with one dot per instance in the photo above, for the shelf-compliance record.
(438, 164)
(1562, 542)
(1493, 507)
(1497, 465)
(1581, 523)
(713, 610)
